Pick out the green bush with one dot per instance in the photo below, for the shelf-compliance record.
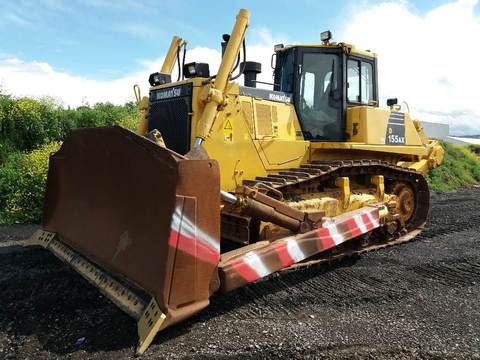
(6, 148)
(29, 123)
(85, 116)
(26, 124)
(22, 184)
(30, 129)
(102, 114)
(6, 102)
(129, 122)
(461, 168)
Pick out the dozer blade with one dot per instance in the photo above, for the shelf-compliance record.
(138, 221)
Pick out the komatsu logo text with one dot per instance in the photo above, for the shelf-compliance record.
(168, 93)
(279, 97)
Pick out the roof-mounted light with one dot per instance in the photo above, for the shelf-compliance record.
(278, 47)
(326, 36)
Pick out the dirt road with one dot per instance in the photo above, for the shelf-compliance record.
(418, 300)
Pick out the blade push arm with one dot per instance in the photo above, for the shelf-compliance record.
(169, 61)
(214, 93)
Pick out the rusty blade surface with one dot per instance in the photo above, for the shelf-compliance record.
(116, 198)
(110, 196)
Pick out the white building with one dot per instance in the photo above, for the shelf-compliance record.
(436, 130)
(442, 132)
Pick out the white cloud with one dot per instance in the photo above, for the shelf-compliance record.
(429, 61)
(38, 78)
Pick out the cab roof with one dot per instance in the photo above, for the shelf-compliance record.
(347, 48)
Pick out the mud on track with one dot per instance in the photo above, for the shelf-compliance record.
(417, 300)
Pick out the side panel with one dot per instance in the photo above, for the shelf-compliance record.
(231, 143)
(377, 126)
(278, 137)
(375, 133)
(252, 136)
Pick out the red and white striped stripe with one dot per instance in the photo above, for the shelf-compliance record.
(189, 238)
(287, 251)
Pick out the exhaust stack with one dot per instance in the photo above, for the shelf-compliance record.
(250, 72)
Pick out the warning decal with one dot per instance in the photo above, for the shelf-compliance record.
(227, 131)
(395, 129)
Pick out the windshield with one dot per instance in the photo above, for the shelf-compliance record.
(319, 109)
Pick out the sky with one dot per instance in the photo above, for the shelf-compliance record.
(88, 51)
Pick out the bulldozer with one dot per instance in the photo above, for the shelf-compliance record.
(224, 184)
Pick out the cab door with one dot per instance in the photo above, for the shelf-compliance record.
(319, 94)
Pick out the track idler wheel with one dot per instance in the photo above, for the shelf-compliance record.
(405, 201)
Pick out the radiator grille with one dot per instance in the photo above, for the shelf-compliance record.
(264, 120)
(248, 114)
(171, 116)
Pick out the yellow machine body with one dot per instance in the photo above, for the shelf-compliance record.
(254, 137)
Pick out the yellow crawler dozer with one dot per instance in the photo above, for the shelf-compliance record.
(225, 183)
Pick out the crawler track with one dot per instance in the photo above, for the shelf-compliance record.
(319, 174)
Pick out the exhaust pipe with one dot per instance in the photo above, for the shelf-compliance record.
(250, 72)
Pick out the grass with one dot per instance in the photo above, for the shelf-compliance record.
(461, 168)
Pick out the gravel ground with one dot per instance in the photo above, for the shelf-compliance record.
(417, 300)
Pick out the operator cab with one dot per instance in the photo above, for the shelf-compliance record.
(325, 80)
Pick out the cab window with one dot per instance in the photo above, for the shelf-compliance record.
(359, 81)
(318, 107)
(284, 71)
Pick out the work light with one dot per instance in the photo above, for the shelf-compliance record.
(159, 79)
(195, 69)
(326, 36)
